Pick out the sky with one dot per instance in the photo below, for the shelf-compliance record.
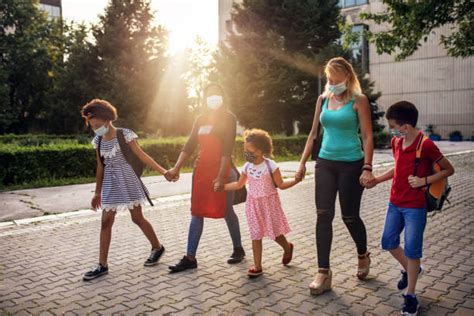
(185, 19)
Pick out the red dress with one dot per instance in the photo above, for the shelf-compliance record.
(204, 201)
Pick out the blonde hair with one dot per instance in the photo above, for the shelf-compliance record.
(341, 66)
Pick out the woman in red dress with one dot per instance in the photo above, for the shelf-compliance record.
(214, 131)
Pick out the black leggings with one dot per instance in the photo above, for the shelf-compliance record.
(333, 177)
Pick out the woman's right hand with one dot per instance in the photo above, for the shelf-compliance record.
(300, 172)
(172, 175)
(96, 202)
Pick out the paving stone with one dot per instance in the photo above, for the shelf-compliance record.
(63, 251)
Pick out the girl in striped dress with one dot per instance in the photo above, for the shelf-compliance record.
(118, 187)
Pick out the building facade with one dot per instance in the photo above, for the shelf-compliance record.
(52, 7)
(441, 87)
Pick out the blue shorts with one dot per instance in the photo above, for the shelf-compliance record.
(413, 221)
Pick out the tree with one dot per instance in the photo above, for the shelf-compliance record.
(201, 70)
(171, 111)
(131, 55)
(29, 52)
(411, 21)
(75, 79)
(272, 63)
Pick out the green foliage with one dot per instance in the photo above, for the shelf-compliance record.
(29, 46)
(64, 159)
(272, 61)
(49, 68)
(130, 54)
(412, 21)
(43, 160)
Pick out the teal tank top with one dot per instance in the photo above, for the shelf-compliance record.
(341, 140)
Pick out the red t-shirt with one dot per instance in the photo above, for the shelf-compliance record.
(402, 194)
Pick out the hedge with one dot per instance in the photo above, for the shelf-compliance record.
(24, 164)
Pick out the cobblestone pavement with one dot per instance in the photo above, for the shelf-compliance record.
(41, 264)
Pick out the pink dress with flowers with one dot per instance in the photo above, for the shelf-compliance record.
(265, 215)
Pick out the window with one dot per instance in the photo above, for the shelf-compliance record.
(360, 49)
(351, 3)
(53, 11)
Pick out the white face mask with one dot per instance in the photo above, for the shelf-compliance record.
(214, 102)
(101, 131)
(337, 89)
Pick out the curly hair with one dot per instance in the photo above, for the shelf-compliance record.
(260, 139)
(98, 108)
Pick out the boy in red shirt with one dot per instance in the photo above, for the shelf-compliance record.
(407, 206)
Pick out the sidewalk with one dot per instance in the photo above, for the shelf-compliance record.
(42, 264)
(15, 205)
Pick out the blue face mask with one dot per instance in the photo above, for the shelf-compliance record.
(101, 131)
(396, 133)
(337, 89)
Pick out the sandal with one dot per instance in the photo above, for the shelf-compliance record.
(254, 272)
(362, 273)
(322, 282)
(287, 256)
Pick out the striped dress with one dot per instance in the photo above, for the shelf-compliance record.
(121, 188)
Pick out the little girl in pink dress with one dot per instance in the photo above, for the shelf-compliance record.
(265, 215)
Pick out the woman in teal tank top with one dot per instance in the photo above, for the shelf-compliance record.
(344, 165)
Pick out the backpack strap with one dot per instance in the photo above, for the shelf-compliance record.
(98, 150)
(270, 171)
(419, 147)
(123, 145)
(246, 169)
(125, 149)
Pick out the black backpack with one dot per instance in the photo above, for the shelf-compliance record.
(135, 162)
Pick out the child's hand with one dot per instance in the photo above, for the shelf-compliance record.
(372, 183)
(300, 173)
(218, 185)
(96, 202)
(416, 182)
(298, 178)
(172, 175)
(365, 178)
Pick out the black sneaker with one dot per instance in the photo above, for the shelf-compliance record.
(154, 257)
(96, 272)
(403, 282)
(410, 306)
(237, 256)
(183, 264)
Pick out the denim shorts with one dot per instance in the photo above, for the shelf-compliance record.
(413, 221)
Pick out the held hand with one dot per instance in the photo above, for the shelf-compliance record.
(298, 178)
(96, 202)
(172, 175)
(365, 178)
(372, 183)
(218, 185)
(300, 173)
(416, 182)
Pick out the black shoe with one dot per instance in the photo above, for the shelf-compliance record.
(154, 257)
(96, 272)
(410, 306)
(403, 282)
(237, 256)
(184, 264)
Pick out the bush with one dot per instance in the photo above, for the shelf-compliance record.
(69, 159)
